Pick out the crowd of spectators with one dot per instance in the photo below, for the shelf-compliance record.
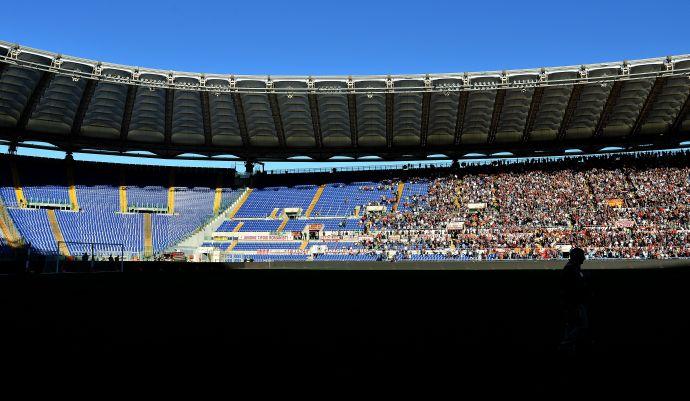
(619, 206)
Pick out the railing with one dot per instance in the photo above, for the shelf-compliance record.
(385, 167)
(48, 203)
(465, 163)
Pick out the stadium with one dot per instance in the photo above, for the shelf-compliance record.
(631, 204)
(466, 194)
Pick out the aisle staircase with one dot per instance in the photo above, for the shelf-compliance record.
(239, 204)
(57, 233)
(195, 239)
(314, 200)
(238, 227)
(9, 230)
(304, 244)
(401, 187)
(148, 236)
(282, 225)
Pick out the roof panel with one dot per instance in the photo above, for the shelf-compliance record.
(261, 128)
(55, 111)
(334, 117)
(589, 107)
(148, 113)
(225, 130)
(295, 115)
(443, 113)
(371, 115)
(407, 114)
(103, 118)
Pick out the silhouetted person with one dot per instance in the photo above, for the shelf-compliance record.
(85, 257)
(574, 294)
(110, 258)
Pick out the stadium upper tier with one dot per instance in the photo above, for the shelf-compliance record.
(78, 104)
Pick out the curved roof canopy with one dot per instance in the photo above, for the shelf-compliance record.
(85, 105)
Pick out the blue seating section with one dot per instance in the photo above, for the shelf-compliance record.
(98, 221)
(255, 246)
(228, 225)
(8, 196)
(260, 226)
(46, 194)
(101, 226)
(34, 227)
(341, 199)
(103, 198)
(99, 218)
(194, 200)
(228, 197)
(149, 196)
(261, 202)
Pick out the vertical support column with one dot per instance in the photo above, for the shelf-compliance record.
(171, 192)
(218, 198)
(123, 192)
(73, 200)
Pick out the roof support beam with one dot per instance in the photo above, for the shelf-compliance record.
(241, 118)
(352, 110)
(33, 100)
(169, 100)
(206, 118)
(127, 116)
(570, 109)
(315, 121)
(460, 121)
(532, 113)
(424, 133)
(496, 115)
(658, 86)
(83, 105)
(277, 120)
(682, 113)
(389, 119)
(608, 108)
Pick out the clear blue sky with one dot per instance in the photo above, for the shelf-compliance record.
(352, 37)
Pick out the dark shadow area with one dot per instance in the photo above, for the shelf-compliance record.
(477, 328)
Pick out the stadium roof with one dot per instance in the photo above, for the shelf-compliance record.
(85, 105)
